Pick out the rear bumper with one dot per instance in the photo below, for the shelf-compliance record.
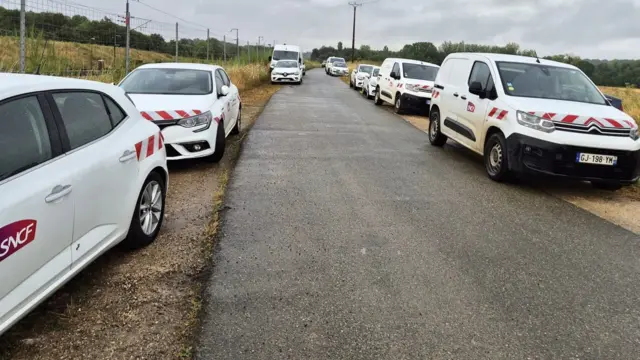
(531, 155)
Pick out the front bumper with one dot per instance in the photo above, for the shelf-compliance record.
(188, 143)
(421, 103)
(359, 83)
(530, 155)
(339, 72)
(282, 78)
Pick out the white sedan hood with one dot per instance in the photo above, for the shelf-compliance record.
(289, 71)
(167, 107)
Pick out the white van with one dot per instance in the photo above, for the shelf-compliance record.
(287, 52)
(406, 84)
(529, 115)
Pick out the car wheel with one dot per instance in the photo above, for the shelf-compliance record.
(238, 126)
(351, 84)
(218, 152)
(496, 161)
(436, 138)
(397, 107)
(606, 185)
(148, 214)
(376, 99)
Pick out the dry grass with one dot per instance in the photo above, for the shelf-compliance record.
(630, 99)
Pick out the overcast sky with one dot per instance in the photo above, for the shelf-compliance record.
(588, 28)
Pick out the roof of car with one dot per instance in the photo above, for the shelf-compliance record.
(16, 84)
(517, 58)
(411, 61)
(188, 66)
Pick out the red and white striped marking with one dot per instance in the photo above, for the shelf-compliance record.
(585, 120)
(149, 146)
(499, 114)
(436, 94)
(169, 114)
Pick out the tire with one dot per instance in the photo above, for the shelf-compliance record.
(218, 152)
(351, 84)
(397, 105)
(606, 185)
(496, 161)
(149, 206)
(376, 98)
(238, 126)
(436, 138)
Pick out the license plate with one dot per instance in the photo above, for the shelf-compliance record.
(597, 159)
(428, 101)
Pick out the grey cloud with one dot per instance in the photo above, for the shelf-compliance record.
(589, 28)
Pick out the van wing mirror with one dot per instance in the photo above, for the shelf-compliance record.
(393, 75)
(476, 89)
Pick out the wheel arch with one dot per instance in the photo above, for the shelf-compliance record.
(490, 131)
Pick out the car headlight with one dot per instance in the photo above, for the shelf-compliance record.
(634, 133)
(198, 120)
(534, 122)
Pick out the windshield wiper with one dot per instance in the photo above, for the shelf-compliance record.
(18, 170)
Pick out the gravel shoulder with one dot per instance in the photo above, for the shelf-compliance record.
(143, 304)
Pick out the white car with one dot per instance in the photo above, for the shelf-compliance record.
(528, 115)
(359, 74)
(330, 61)
(339, 68)
(80, 171)
(195, 105)
(286, 71)
(406, 84)
(370, 83)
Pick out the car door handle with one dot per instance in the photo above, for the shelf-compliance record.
(127, 155)
(455, 94)
(463, 97)
(57, 193)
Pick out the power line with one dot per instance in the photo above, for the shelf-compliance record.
(172, 15)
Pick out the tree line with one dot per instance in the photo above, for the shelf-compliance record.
(80, 29)
(602, 72)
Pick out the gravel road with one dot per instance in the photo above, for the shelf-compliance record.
(347, 236)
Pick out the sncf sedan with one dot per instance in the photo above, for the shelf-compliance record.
(80, 171)
(196, 106)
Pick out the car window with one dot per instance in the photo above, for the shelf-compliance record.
(396, 69)
(24, 139)
(480, 73)
(219, 82)
(225, 78)
(84, 116)
(117, 115)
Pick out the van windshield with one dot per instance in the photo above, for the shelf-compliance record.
(285, 55)
(548, 82)
(419, 71)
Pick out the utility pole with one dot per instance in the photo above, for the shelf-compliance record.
(128, 44)
(208, 41)
(176, 42)
(237, 44)
(355, 5)
(249, 51)
(224, 47)
(23, 34)
(261, 38)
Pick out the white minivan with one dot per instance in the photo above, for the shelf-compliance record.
(406, 84)
(287, 52)
(529, 115)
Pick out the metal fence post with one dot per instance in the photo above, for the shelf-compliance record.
(224, 47)
(249, 51)
(208, 41)
(176, 42)
(127, 50)
(23, 35)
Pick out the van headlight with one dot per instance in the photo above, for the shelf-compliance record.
(198, 120)
(634, 133)
(534, 122)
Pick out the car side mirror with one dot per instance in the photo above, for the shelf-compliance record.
(393, 75)
(224, 90)
(476, 89)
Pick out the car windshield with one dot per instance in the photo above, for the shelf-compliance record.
(337, 60)
(548, 82)
(419, 71)
(376, 71)
(285, 55)
(366, 69)
(287, 64)
(168, 82)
